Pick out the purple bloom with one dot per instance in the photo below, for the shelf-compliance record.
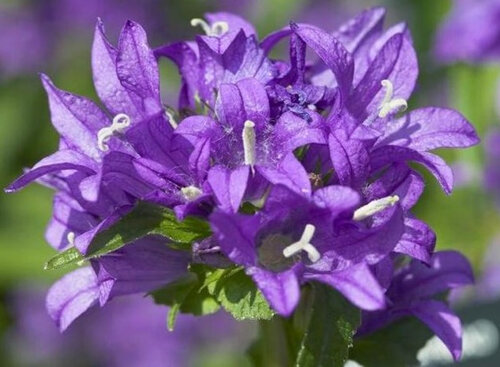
(90, 162)
(228, 53)
(140, 267)
(313, 152)
(470, 33)
(90, 158)
(410, 291)
(373, 85)
(282, 247)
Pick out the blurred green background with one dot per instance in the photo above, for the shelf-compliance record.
(468, 220)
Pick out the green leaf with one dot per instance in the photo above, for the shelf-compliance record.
(67, 257)
(394, 346)
(145, 219)
(174, 295)
(329, 331)
(237, 293)
(187, 295)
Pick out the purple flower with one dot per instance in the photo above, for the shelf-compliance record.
(374, 80)
(314, 153)
(282, 247)
(91, 158)
(470, 33)
(228, 53)
(140, 267)
(98, 175)
(410, 291)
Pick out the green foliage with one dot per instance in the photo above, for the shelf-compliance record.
(239, 296)
(187, 296)
(205, 289)
(394, 346)
(145, 219)
(330, 330)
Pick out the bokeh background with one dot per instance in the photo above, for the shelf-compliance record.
(54, 36)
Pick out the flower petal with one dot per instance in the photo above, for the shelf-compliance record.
(76, 119)
(281, 290)
(289, 173)
(236, 236)
(443, 322)
(430, 128)
(137, 67)
(357, 284)
(71, 296)
(398, 180)
(437, 166)
(114, 95)
(331, 51)
(336, 198)
(418, 240)
(349, 157)
(229, 186)
(139, 267)
(447, 269)
(59, 161)
(67, 216)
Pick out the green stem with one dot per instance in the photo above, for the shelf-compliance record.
(279, 338)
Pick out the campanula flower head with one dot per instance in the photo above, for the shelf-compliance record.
(271, 176)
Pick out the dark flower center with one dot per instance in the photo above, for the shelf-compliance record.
(271, 255)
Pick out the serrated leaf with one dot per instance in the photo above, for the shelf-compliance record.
(239, 296)
(330, 330)
(145, 219)
(393, 346)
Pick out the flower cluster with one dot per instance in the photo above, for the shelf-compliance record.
(300, 166)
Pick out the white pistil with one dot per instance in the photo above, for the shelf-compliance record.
(304, 245)
(374, 207)
(217, 29)
(71, 238)
(191, 193)
(171, 119)
(390, 104)
(248, 136)
(120, 123)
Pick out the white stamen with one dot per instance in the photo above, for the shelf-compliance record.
(215, 30)
(191, 193)
(120, 123)
(248, 136)
(304, 245)
(71, 238)
(171, 119)
(390, 104)
(374, 207)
